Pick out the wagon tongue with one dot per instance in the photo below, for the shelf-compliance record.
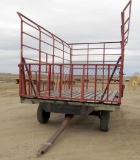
(48, 143)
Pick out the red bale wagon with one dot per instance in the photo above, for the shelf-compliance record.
(75, 78)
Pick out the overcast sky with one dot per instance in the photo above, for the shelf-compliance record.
(71, 20)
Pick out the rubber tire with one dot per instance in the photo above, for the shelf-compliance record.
(104, 120)
(42, 116)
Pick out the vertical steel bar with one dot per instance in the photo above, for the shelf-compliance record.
(36, 74)
(21, 44)
(21, 67)
(39, 69)
(103, 66)
(71, 80)
(22, 83)
(71, 53)
(71, 50)
(120, 83)
(64, 82)
(46, 61)
(50, 80)
(53, 58)
(60, 83)
(67, 79)
(30, 79)
(63, 53)
(122, 55)
(95, 82)
(83, 83)
(56, 85)
(108, 81)
(63, 64)
(87, 66)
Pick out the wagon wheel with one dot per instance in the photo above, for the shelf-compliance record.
(104, 120)
(42, 116)
(134, 82)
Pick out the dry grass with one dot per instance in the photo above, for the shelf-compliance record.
(7, 83)
(8, 77)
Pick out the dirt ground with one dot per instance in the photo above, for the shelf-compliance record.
(21, 135)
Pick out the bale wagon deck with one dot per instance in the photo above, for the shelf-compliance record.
(71, 78)
(81, 85)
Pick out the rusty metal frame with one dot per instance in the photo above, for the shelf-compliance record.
(69, 53)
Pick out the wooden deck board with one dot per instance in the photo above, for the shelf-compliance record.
(88, 94)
